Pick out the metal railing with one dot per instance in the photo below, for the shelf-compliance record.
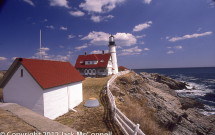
(126, 126)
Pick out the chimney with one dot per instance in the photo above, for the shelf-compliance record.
(85, 53)
(103, 52)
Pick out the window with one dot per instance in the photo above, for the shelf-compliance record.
(81, 61)
(89, 71)
(94, 71)
(95, 62)
(21, 72)
(102, 61)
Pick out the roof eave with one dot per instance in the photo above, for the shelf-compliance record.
(12, 69)
(63, 84)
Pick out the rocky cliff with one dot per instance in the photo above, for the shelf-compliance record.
(155, 93)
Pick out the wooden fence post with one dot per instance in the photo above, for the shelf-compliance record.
(136, 129)
(114, 107)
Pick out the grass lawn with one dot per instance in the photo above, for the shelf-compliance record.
(88, 119)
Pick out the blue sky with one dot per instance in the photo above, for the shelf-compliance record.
(148, 33)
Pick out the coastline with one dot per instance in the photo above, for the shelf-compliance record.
(152, 98)
(200, 84)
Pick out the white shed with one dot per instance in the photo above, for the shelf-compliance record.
(49, 88)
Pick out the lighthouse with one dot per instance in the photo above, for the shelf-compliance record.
(112, 51)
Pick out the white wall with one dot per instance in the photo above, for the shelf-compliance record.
(55, 101)
(75, 94)
(112, 50)
(24, 91)
(109, 67)
(51, 103)
(58, 100)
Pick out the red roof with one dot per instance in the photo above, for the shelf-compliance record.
(49, 73)
(122, 68)
(101, 58)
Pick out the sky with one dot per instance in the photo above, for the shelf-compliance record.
(148, 33)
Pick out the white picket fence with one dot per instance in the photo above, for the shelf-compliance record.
(127, 126)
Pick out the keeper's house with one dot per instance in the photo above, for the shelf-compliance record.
(49, 88)
(95, 65)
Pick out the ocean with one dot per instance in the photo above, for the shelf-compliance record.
(201, 83)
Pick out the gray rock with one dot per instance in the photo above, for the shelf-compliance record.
(171, 83)
(178, 115)
(133, 90)
(121, 99)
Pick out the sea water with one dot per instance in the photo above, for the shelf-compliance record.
(201, 84)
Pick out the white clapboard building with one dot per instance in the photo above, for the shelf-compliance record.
(50, 88)
(96, 65)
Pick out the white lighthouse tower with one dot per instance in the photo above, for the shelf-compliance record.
(112, 51)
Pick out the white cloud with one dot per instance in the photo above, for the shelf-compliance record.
(46, 56)
(98, 52)
(167, 37)
(57, 57)
(212, 4)
(178, 47)
(142, 26)
(81, 47)
(147, 1)
(199, 29)
(3, 58)
(77, 13)
(50, 26)
(71, 36)
(97, 38)
(125, 39)
(170, 52)
(140, 36)
(109, 16)
(45, 20)
(13, 58)
(80, 36)
(131, 51)
(118, 46)
(61, 46)
(101, 38)
(60, 3)
(195, 35)
(29, 2)
(169, 47)
(98, 18)
(142, 43)
(63, 28)
(100, 6)
(43, 52)
(146, 49)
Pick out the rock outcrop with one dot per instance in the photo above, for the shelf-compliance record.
(171, 83)
(177, 114)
